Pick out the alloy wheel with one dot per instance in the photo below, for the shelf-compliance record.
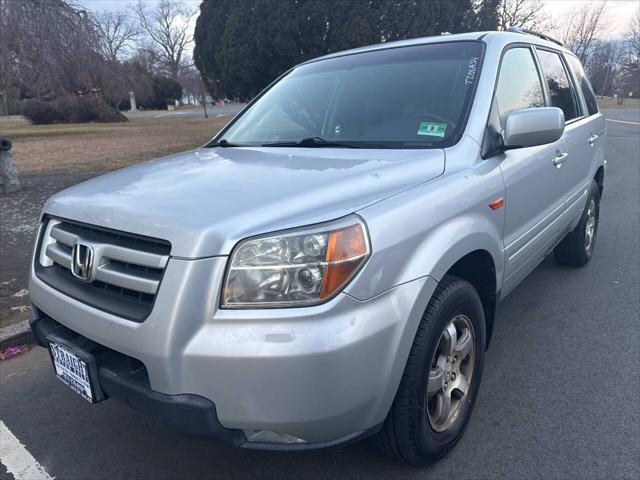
(451, 373)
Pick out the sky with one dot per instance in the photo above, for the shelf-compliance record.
(111, 5)
(619, 12)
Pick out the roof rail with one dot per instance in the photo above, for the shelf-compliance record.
(535, 34)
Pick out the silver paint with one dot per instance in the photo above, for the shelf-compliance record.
(324, 372)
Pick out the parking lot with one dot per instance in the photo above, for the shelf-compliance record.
(559, 396)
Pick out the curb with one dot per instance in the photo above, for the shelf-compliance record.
(15, 334)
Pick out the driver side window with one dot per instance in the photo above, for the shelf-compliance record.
(518, 83)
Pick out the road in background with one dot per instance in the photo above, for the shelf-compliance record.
(559, 396)
(226, 110)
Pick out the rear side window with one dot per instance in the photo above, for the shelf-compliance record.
(518, 84)
(560, 89)
(585, 86)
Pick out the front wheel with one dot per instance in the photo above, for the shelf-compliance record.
(441, 379)
(577, 247)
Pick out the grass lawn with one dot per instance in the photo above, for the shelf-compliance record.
(101, 147)
(106, 146)
(62, 155)
(610, 102)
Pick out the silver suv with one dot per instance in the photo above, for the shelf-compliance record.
(328, 266)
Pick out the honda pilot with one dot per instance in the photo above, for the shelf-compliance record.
(328, 267)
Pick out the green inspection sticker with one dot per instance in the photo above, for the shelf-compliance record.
(432, 129)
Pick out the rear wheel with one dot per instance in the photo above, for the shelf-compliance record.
(577, 247)
(441, 379)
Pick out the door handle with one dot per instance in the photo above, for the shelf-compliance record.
(558, 159)
(592, 139)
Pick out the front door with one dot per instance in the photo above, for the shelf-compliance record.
(535, 186)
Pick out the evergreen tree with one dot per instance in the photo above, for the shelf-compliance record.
(210, 26)
(243, 45)
(487, 15)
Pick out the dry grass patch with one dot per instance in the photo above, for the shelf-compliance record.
(101, 147)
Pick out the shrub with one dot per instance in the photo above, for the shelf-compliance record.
(14, 106)
(87, 109)
(41, 112)
(71, 109)
(163, 91)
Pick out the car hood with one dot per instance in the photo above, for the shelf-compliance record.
(204, 201)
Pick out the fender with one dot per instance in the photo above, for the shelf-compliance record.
(436, 228)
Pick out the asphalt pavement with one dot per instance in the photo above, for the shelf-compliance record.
(226, 110)
(559, 395)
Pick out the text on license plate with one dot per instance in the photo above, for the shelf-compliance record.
(71, 370)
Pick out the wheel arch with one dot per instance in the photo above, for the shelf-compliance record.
(479, 269)
(466, 246)
(599, 178)
(476, 257)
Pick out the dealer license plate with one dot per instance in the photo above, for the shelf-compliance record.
(72, 370)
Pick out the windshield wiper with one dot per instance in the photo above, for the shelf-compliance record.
(223, 143)
(315, 142)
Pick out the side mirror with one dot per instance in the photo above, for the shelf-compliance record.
(532, 126)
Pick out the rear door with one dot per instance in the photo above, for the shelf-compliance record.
(535, 189)
(589, 134)
(579, 134)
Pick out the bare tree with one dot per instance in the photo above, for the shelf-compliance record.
(605, 65)
(167, 27)
(581, 28)
(47, 48)
(115, 32)
(522, 13)
(147, 58)
(8, 57)
(195, 88)
(630, 78)
(633, 36)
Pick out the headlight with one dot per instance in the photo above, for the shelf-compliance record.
(298, 267)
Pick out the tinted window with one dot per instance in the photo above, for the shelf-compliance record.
(402, 98)
(560, 89)
(585, 86)
(518, 84)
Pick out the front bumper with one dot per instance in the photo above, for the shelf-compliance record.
(124, 379)
(325, 374)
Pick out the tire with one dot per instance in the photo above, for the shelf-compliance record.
(413, 431)
(576, 248)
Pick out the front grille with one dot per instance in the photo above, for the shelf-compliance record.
(126, 269)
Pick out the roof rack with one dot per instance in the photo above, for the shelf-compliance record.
(536, 34)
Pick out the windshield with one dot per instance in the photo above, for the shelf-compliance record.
(409, 97)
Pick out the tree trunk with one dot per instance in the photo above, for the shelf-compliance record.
(204, 105)
(4, 107)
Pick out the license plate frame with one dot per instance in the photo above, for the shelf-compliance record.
(76, 368)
